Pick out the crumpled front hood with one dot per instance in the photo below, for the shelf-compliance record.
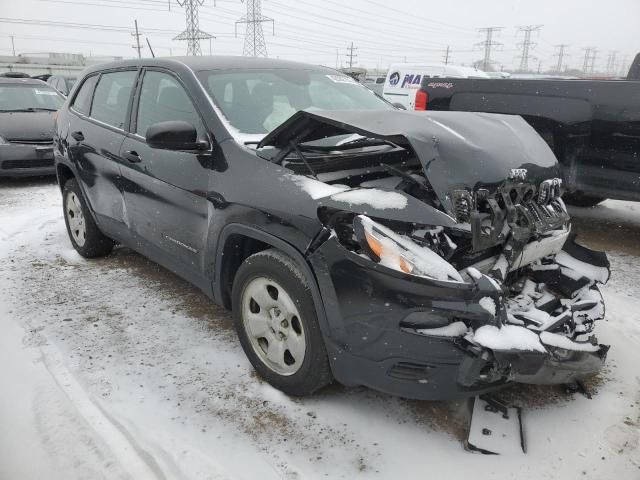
(458, 150)
(27, 126)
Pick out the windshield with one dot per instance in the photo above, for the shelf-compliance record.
(257, 101)
(29, 97)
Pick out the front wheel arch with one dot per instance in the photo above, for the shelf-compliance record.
(263, 241)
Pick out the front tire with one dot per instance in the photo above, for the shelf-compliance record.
(276, 321)
(83, 232)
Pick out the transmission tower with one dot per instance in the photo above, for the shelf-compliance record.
(488, 44)
(587, 58)
(561, 54)
(594, 54)
(611, 61)
(192, 34)
(254, 44)
(527, 45)
(351, 55)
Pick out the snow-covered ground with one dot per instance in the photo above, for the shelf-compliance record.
(115, 368)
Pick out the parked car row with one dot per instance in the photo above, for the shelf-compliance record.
(423, 254)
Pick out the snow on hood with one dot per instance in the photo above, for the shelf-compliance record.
(457, 150)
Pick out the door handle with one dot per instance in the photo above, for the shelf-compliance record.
(132, 156)
(77, 136)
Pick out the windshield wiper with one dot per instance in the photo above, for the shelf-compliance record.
(31, 109)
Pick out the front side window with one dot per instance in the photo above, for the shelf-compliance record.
(257, 101)
(29, 97)
(82, 102)
(111, 97)
(163, 99)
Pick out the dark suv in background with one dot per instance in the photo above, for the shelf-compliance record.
(427, 255)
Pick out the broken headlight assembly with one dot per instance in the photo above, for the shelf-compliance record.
(399, 252)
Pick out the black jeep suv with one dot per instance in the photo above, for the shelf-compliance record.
(425, 254)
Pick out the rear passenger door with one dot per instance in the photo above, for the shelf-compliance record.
(96, 131)
(165, 190)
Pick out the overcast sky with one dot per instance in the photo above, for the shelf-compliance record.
(319, 31)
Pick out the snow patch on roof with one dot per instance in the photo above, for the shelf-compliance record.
(379, 199)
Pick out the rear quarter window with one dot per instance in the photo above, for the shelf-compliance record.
(111, 97)
(82, 102)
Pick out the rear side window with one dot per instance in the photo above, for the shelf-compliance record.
(111, 97)
(82, 102)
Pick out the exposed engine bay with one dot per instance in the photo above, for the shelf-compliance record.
(492, 215)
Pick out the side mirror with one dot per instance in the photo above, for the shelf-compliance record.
(174, 135)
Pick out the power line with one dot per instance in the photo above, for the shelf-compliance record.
(137, 46)
(351, 55)
(192, 33)
(527, 45)
(488, 44)
(561, 54)
(254, 44)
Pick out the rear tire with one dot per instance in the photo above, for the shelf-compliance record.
(275, 317)
(83, 232)
(580, 200)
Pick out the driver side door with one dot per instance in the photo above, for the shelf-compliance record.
(165, 190)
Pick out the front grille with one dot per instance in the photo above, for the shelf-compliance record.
(40, 163)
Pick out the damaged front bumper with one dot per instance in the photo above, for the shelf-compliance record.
(422, 338)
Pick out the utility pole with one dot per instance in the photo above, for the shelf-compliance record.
(192, 33)
(488, 44)
(351, 55)
(561, 54)
(611, 61)
(527, 45)
(153, 55)
(13, 46)
(254, 44)
(539, 66)
(137, 46)
(446, 56)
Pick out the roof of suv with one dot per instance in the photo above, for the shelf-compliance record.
(200, 63)
(21, 81)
